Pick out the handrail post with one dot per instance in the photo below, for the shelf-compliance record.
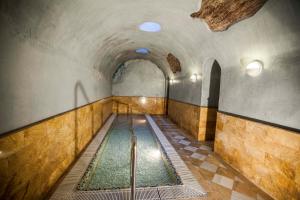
(133, 166)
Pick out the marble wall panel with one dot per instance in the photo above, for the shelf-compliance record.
(139, 105)
(268, 156)
(34, 158)
(199, 122)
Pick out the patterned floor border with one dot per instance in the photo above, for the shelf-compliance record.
(66, 190)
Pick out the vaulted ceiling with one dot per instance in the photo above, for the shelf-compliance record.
(103, 34)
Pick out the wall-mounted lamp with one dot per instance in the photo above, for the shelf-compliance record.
(172, 81)
(254, 68)
(143, 100)
(194, 77)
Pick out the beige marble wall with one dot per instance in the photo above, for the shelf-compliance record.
(126, 104)
(185, 115)
(34, 158)
(207, 123)
(266, 155)
(199, 122)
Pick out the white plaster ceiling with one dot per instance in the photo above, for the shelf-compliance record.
(101, 34)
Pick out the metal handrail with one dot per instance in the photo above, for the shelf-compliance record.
(133, 159)
(133, 165)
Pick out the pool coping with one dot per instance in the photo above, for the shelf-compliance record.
(66, 190)
(184, 173)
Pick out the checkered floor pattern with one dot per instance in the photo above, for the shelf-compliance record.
(219, 179)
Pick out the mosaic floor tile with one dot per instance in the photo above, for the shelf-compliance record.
(198, 156)
(174, 140)
(225, 172)
(184, 142)
(213, 160)
(238, 179)
(209, 167)
(221, 165)
(244, 189)
(190, 148)
(204, 147)
(258, 197)
(179, 137)
(222, 180)
(239, 196)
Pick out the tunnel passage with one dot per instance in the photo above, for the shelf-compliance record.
(57, 60)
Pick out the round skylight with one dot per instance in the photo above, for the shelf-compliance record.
(150, 27)
(142, 51)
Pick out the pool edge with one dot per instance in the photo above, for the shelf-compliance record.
(67, 189)
(184, 173)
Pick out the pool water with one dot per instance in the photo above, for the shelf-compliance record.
(110, 168)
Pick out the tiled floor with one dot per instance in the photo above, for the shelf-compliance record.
(218, 178)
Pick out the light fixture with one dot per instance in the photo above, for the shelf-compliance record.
(150, 27)
(143, 100)
(194, 77)
(172, 81)
(254, 68)
(144, 51)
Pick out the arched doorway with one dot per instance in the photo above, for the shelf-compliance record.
(214, 85)
(209, 100)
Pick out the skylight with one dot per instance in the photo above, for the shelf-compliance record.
(150, 27)
(142, 51)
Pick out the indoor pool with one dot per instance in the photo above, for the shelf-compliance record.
(110, 168)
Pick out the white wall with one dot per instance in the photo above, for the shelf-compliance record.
(49, 46)
(39, 80)
(139, 78)
(273, 36)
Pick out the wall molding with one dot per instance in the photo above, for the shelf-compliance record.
(244, 117)
(139, 96)
(179, 101)
(295, 130)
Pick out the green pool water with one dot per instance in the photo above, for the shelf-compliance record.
(110, 168)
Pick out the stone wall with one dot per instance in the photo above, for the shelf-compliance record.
(34, 158)
(207, 123)
(268, 156)
(198, 121)
(139, 105)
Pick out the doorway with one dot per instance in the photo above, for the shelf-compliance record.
(213, 101)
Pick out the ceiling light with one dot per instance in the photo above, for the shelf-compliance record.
(142, 51)
(254, 68)
(194, 78)
(150, 27)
